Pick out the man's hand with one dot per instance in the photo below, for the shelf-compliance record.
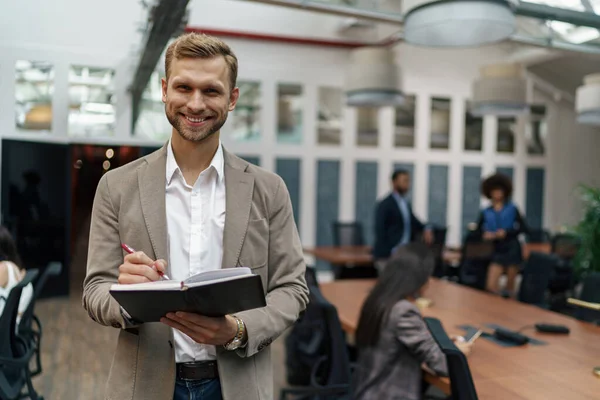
(201, 329)
(501, 234)
(138, 268)
(428, 236)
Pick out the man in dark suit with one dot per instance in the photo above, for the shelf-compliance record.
(395, 223)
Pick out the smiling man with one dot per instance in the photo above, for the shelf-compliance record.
(187, 208)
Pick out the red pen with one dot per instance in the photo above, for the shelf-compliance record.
(131, 251)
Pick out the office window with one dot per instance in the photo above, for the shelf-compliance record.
(91, 101)
(438, 194)
(327, 204)
(245, 119)
(290, 171)
(538, 130)
(470, 196)
(404, 125)
(473, 130)
(367, 126)
(366, 197)
(329, 116)
(440, 123)
(534, 202)
(152, 121)
(290, 103)
(34, 87)
(506, 135)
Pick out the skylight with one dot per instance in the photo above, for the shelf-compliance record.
(569, 32)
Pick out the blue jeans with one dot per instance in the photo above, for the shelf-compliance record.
(204, 389)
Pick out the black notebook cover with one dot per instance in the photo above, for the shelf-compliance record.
(212, 300)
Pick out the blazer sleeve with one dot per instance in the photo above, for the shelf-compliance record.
(104, 257)
(381, 221)
(416, 225)
(412, 332)
(287, 292)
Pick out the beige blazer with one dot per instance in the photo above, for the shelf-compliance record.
(259, 233)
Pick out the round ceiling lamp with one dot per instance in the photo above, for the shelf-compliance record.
(373, 79)
(457, 23)
(501, 90)
(587, 100)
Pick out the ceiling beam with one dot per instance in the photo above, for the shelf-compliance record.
(548, 13)
(166, 19)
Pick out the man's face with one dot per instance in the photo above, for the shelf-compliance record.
(197, 96)
(402, 183)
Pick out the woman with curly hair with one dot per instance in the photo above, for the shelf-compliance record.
(501, 223)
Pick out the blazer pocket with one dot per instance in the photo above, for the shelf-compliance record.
(255, 248)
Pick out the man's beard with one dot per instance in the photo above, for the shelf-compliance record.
(199, 134)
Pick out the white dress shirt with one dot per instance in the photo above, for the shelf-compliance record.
(195, 222)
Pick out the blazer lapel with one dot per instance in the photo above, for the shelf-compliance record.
(151, 181)
(239, 187)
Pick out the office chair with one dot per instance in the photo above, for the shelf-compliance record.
(538, 236)
(461, 381)
(26, 327)
(536, 275)
(350, 234)
(322, 345)
(16, 352)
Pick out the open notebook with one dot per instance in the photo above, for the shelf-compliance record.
(212, 293)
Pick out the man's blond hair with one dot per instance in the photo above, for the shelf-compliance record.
(199, 45)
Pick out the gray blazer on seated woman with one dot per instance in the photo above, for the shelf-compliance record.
(392, 339)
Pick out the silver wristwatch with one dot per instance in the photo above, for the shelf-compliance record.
(238, 339)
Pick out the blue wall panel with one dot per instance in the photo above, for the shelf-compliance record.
(471, 197)
(508, 171)
(366, 197)
(289, 170)
(438, 194)
(534, 203)
(328, 200)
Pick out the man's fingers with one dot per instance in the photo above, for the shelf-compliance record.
(161, 265)
(128, 279)
(139, 257)
(188, 323)
(139, 270)
(200, 320)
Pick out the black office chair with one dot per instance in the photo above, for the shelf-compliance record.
(461, 381)
(438, 245)
(350, 234)
(27, 329)
(590, 293)
(319, 343)
(566, 245)
(16, 352)
(538, 236)
(563, 280)
(476, 255)
(536, 275)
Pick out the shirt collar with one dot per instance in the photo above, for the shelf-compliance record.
(218, 163)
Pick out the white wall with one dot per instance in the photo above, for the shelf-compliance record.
(103, 34)
(575, 160)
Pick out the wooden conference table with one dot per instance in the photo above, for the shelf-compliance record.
(361, 255)
(561, 369)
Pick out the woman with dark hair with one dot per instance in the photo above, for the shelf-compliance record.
(501, 223)
(392, 338)
(11, 273)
